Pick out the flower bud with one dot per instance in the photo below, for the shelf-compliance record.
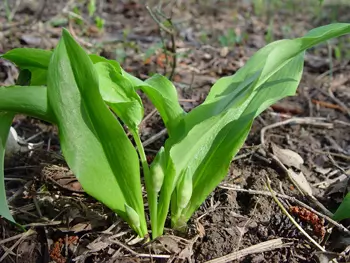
(184, 189)
(133, 216)
(157, 170)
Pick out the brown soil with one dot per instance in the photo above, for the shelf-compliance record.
(69, 226)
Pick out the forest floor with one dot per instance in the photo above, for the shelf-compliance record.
(211, 39)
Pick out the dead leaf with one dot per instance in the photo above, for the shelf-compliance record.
(186, 253)
(300, 181)
(339, 186)
(169, 244)
(97, 246)
(287, 157)
(200, 229)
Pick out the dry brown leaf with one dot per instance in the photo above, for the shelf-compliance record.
(300, 181)
(287, 157)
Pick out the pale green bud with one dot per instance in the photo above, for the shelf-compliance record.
(133, 216)
(184, 189)
(157, 170)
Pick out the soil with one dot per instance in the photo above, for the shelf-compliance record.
(213, 39)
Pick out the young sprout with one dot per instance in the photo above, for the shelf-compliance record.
(133, 217)
(157, 170)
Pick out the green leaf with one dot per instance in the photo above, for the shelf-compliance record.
(31, 101)
(164, 97)
(35, 60)
(118, 92)
(93, 141)
(5, 125)
(343, 211)
(96, 59)
(213, 132)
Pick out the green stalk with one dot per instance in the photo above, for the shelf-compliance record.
(151, 194)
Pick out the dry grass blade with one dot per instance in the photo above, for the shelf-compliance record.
(284, 210)
(24, 235)
(259, 248)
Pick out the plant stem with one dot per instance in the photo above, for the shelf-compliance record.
(151, 194)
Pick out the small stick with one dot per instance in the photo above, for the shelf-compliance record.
(152, 256)
(259, 248)
(134, 253)
(11, 238)
(308, 120)
(154, 137)
(171, 32)
(24, 235)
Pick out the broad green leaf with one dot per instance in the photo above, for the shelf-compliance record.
(96, 59)
(159, 90)
(343, 211)
(35, 60)
(164, 97)
(5, 124)
(31, 101)
(119, 94)
(93, 141)
(213, 132)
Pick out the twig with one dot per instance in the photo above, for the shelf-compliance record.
(172, 34)
(328, 105)
(339, 102)
(339, 155)
(154, 111)
(152, 256)
(259, 248)
(292, 219)
(160, 24)
(43, 224)
(331, 96)
(309, 121)
(11, 238)
(24, 235)
(154, 137)
(291, 199)
(134, 253)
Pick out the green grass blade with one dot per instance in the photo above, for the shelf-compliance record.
(93, 141)
(343, 211)
(5, 125)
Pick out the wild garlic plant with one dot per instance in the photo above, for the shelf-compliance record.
(82, 93)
